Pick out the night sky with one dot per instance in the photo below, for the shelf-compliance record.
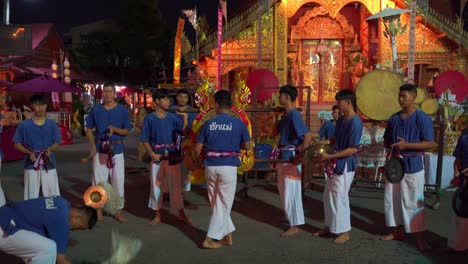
(69, 13)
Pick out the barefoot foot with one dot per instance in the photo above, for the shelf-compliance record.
(341, 239)
(227, 240)
(290, 232)
(211, 244)
(120, 217)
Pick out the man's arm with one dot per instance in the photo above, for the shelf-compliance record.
(26, 151)
(184, 120)
(119, 131)
(342, 154)
(62, 259)
(52, 148)
(198, 149)
(423, 145)
(247, 145)
(154, 157)
(306, 142)
(92, 142)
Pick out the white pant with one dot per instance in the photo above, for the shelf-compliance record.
(117, 174)
(336, 202)
(31, 247)
(221, 185)
(458, 232)
(290, 191)
(34, 179)
(165, 173)
(404, 203)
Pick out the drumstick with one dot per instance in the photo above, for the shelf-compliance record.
(85, 159)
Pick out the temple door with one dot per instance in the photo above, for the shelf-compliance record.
(321, 64)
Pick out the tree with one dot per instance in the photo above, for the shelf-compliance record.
(129, 53)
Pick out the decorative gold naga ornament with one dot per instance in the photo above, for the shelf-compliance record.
(242, 98)
(204, 97)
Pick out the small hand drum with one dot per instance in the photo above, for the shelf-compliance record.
(394, 169)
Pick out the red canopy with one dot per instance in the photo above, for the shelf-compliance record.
(43, 84)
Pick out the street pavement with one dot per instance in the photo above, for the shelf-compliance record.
(257, 219)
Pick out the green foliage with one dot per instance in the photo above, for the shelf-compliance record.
(140, 42)
(203, 28)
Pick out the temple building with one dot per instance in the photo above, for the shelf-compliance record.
(329, 45)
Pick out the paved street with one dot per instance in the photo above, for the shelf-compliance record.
(256, 239)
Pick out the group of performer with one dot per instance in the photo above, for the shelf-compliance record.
(37, 229)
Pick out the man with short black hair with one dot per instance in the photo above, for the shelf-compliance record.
(37, 138)
(221, 137)
(182, 105)
(108, 125)
(327, 130)
(158, 135)
(336, 194)
(37, 230)
(409, 133)
(295, 138)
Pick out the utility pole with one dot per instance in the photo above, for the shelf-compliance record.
(6, 12)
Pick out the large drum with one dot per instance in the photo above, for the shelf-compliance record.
(377, 94)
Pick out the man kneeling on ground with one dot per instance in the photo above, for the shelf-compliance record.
(37, 230)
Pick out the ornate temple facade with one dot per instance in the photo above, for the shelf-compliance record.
(328, 44)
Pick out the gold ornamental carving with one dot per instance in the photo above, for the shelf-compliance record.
(426, 40)
(332, 6)
(314, 24)
(281, 42)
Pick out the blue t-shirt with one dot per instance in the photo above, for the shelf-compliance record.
(190, 117)
(223, 133)
(46, 216)
(348, 134)
(461, 150)
(161, 131)
(415, 128)
(100, 118)
(327, 130)
(292, 131)
(37, 138)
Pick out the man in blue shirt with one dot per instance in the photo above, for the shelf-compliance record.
(107, 126)
(37, 230)
(158, 135)
(182, 105)
(408, 133)
(336, 194)
(327, 131)
(457, 238)
(37, 137)
(221, 138)
(294, 139)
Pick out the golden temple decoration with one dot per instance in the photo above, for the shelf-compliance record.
(426, 40)
(281, 42)
(306, 27)
(332, 6)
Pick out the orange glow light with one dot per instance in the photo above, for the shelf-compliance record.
(19, 30)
